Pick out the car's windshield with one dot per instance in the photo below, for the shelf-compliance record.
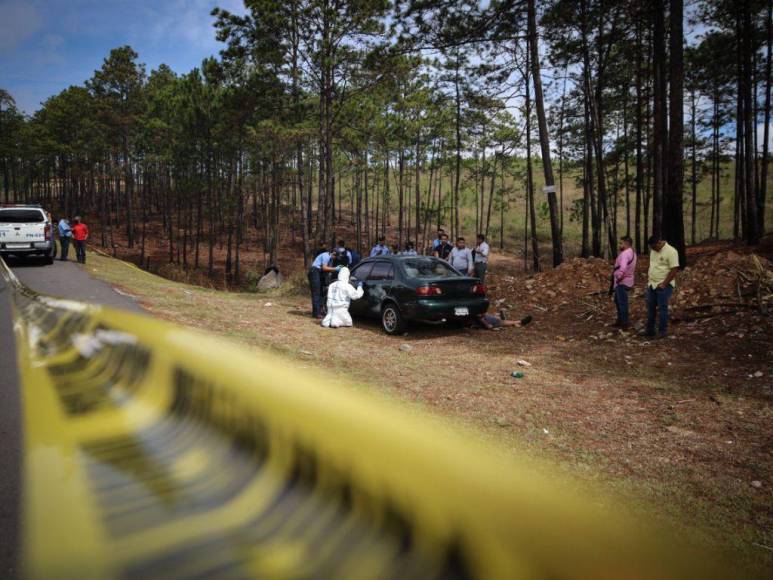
(427, 268)
(21, 216)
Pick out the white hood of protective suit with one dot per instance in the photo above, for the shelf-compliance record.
(343, 275)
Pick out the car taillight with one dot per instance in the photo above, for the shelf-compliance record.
(47, 231)
(479, 289)
(428, 291)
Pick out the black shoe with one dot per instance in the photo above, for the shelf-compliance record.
(526, 320)
(648, 334)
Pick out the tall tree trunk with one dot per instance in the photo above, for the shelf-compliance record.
(639, 139)
(417, 191)
(591, 154)
(588, 219)
(762, 197)
(530, 174)
(240, 211)
(502, 213)
(211, 210)
(738, 180)
(660, 130)
(544, 139)
(430, 199)
(400, 195)
(129, 190)
(366, 168)
(455, 226)
(485, 229)
(750, 183)
(673, 213)
(358, 199)
(626, 175)
(694, 159)
(590, 140)
(717, 166)
(585, 247)
(561, 153)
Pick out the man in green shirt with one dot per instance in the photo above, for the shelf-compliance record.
(664, 265)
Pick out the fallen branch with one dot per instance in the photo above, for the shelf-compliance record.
(702, 316)
(599, 293)
(721, 305)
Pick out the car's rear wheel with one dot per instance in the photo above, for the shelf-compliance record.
(391, 319)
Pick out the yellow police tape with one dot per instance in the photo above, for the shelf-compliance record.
(151, 451)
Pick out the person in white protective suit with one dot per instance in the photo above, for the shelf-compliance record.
(339, 295)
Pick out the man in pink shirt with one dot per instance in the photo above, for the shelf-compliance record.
(623, 280)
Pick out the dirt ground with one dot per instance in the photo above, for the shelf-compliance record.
(683, 422)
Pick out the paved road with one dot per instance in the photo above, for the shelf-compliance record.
(65, 280)
(68, 280)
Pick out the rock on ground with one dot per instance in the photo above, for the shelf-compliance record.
(270, 281)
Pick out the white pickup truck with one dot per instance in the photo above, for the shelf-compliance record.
(26, 230)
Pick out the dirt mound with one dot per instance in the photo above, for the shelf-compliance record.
(723, 282)
(570, 282)
(725, 279)
(576, 276)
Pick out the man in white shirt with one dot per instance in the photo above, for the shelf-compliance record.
(461, 258)
(481, 258)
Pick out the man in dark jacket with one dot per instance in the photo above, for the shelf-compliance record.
(443, 251)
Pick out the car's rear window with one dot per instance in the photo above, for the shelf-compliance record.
(21, 216)
(427, 268)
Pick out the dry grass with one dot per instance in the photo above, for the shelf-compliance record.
(668, 424)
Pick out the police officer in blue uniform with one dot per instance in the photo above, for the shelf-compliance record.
(380, 249)
(321, 265)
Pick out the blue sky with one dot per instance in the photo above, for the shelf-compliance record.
(46, 46)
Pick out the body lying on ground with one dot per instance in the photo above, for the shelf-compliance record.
(492, 322)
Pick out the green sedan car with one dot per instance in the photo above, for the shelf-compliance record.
(400, 289)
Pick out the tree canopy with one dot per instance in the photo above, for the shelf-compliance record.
(516, 119)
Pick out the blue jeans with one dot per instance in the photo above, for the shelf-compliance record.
(80, 250)
(658, 298)
(315, 284)
(621, 302)
(64, 241)
(480, 271)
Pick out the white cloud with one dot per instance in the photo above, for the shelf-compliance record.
(18, 21)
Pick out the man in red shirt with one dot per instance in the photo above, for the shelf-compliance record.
(80, 233)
